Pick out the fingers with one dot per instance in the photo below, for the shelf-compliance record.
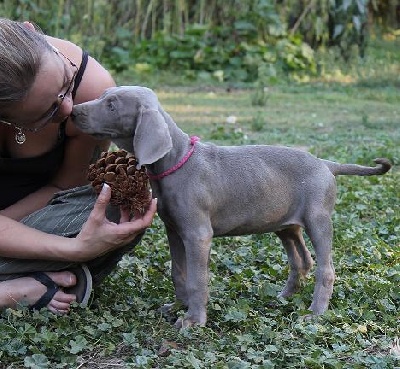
(29, 25)
(104, 195)
(99, 209)
(138, 224)
(145, 220)
(151, 212)
(146, 217)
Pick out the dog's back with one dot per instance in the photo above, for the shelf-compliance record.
(245, 189)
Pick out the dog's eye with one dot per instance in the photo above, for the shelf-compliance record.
(111, 106)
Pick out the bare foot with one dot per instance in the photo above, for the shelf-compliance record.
(27, 290)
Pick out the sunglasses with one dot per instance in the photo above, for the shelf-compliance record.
(49, 116)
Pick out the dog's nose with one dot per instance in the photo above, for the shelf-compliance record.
(74, 113)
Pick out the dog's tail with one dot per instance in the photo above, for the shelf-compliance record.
(383, 166)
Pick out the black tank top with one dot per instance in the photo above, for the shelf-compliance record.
(21, 176)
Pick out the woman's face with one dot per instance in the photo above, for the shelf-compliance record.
(49, 100)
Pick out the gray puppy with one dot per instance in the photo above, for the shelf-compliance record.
(205, 191)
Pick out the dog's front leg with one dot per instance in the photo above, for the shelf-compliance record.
(197, 260)
(178, 267)
(178, 272)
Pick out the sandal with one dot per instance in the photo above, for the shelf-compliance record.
(82, 289)
(84, 285)
(52, 288)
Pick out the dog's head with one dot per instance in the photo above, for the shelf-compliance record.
(129, 116)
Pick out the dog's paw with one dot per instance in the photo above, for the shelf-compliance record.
(171, 311)
(194, 317)
(287, 292)
(183, 323)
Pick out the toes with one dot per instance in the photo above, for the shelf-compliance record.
(61, 303)
(64, 278)
(59, 310)
(63, 297)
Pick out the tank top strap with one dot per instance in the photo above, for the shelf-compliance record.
(81, 70)
(78, 79)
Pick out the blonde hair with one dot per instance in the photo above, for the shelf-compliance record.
(21, 52)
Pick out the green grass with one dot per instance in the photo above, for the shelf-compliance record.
(248, 326)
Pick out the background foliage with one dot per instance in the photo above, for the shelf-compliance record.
(227, 40)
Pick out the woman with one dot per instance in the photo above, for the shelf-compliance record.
(44, 193)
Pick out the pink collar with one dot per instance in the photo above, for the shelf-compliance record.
(155, 177)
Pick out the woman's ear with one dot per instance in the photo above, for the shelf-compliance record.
(29, 25)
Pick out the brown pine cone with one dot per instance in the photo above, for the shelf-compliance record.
(130, 187)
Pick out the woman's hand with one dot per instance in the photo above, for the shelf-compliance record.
(99, 236)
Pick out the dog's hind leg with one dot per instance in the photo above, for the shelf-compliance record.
(319, 229)
(300, 261)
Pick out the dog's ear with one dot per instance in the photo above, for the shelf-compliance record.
(152, 139)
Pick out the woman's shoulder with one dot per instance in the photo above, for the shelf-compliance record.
(68, 48)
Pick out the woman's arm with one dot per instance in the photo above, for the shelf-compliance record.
(97, 237)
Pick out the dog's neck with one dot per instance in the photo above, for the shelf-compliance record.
(178, 165)
(182, 145)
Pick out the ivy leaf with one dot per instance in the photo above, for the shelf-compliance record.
(104, 327)
(77, 345)
(196, 363)
(130, 339)
(236, 315)
(36, 361)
